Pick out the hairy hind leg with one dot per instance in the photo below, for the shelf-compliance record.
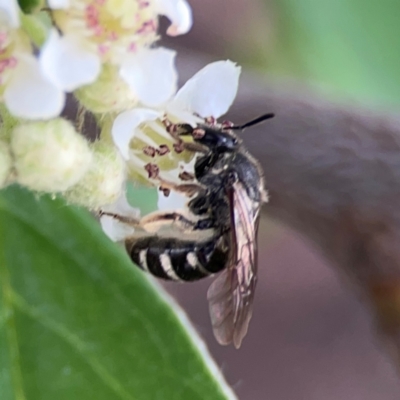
(122, 218)
(158, 219)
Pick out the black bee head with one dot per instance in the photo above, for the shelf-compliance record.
(217, 140)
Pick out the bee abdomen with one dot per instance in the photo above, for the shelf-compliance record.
(179, 260)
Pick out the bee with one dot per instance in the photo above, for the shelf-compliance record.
(220, 227)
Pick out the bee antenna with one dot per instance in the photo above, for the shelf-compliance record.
(255, 121)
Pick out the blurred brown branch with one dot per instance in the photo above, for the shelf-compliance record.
(333, 174)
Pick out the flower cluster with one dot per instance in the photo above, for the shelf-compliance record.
(104, 53)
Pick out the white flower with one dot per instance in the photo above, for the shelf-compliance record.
(151, 75)
(125, 124)
(178, 12)
(24, 88)
(68, 62)
(140, 134)
(209, 93)
(9, 13)
(118, 32)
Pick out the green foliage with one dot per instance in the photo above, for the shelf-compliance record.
(351, 46)
(35, 27)
(28, 6)
(79, 321)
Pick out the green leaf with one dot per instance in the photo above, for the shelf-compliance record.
(350, 46)
(79, 321)
(28, 6)
(35, 27)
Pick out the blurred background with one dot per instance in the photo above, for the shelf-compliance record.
(310, 337)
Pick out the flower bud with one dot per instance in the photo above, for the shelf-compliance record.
(103, 182)
(5, 163)
(109, 93)
(49, 156)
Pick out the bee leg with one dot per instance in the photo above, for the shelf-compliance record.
(153, 222)
(177, 219)
(204, 164)
(200, 204)
(206, 223)
(124, 219)
(175, 130)
(187, 189)
(194, 147)
(264, 196)
(164, 218)
(178, 130)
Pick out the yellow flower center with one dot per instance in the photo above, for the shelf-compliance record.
(114, 27)
(155, 152)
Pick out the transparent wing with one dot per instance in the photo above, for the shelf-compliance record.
(231, 295)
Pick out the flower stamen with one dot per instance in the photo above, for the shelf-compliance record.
(163, 150)
(150, 151)
(186, 176)
(153, 170)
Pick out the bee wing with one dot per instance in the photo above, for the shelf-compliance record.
(231, 295)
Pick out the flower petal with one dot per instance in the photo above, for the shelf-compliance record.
(29, 94)
(67, 62)
(211, 91)
(9, 13)
(178, 12)
(55, 4)
(173, 110)
(151, 74)
(125, 124)
(174, 201)
(112, 227)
